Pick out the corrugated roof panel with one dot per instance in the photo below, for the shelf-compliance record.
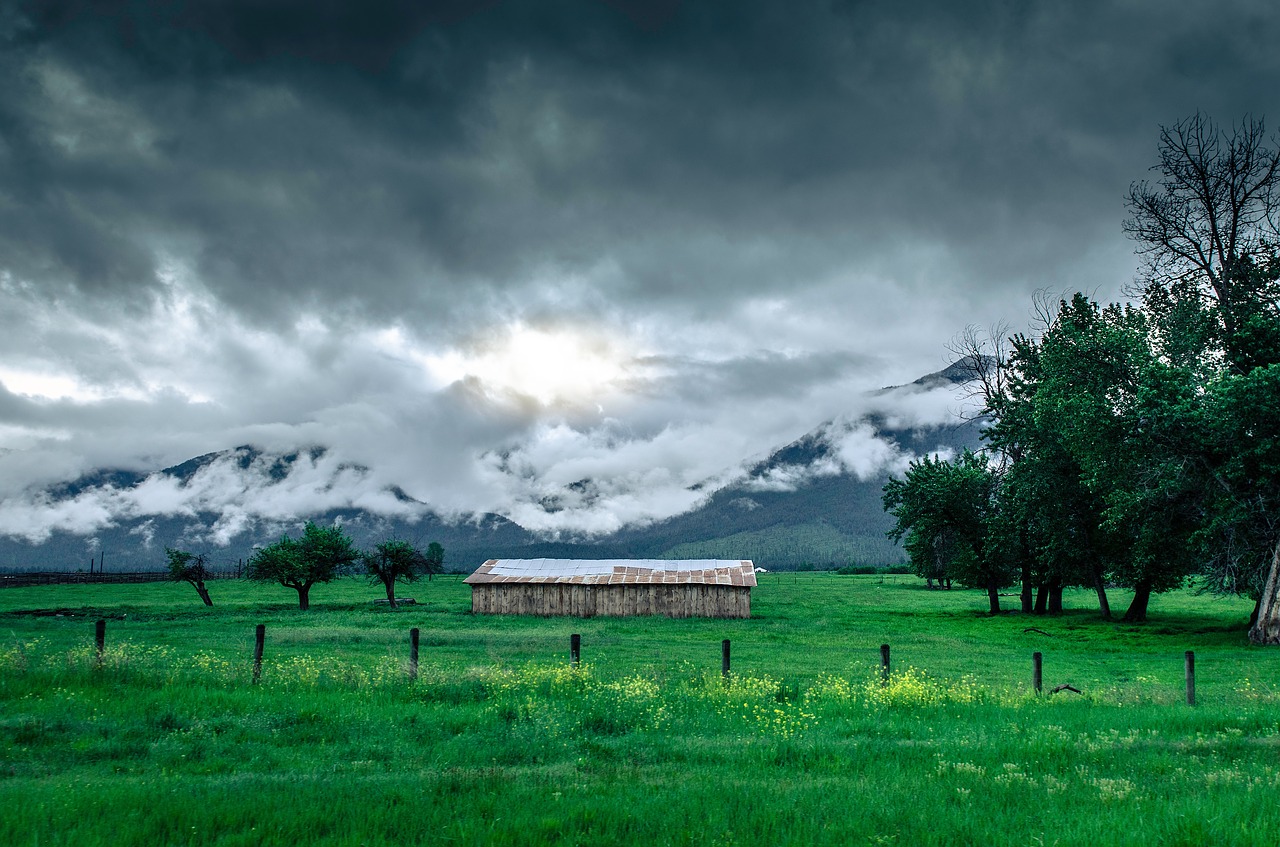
(739, 572)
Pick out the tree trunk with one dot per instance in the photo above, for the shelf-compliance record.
(1138, 608)
(304, 602)
(1100, 587)
(993, 594)
(1026, 587)
(1042, 598)
(1055, 598)
(198, 585)
(928, 581)
(1266, 630)
(390, 585)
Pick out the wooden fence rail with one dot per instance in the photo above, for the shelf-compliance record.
(21, 580)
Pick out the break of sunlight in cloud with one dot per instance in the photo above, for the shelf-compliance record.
(560, 365)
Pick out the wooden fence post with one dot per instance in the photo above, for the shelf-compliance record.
(575, 649)
(724, 658)
(1037, 671)
(100, 638)
(884, 664)
(413, 654)
(259, 636)
(1191, 678)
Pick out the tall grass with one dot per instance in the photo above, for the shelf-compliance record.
(501, 741)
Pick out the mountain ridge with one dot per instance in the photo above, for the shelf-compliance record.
(808, 502)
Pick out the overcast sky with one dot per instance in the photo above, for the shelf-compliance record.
(489, 249)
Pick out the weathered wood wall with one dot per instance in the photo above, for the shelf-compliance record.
(585, 601)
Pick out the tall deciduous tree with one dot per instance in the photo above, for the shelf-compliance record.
(1210, 228)
(1048, 518)
(318, 556)
(1239, 461)
(1124, 414)
(1142, 442)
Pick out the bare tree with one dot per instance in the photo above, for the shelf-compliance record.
(1214, 205)
(983, 356)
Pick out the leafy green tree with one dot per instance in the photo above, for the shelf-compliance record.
(434, 559)
(1126, 415)
(1047, 516)
(192, 568)
(320, 555)
(394, 561)
(1210, 229)
(1239, 459)
(1140, 444)
(1047, 521)
(944, 512)
(1241, 532)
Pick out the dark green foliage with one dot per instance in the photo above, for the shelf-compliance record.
(1137, 445)
(189, 567)
(320, 555)
(433, 559)
(399, 561)
(1123, 414)
(945, 510)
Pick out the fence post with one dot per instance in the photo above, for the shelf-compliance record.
(1037, 671)
(884, 664)
(724, 658)
(259, 636)
(575, 649)
(100, 637)
(1191, 678)
(413, 654)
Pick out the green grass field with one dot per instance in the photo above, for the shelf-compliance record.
(500, 741)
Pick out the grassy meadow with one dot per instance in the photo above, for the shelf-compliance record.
(166, 741)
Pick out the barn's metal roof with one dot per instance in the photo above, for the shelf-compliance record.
(732, 572)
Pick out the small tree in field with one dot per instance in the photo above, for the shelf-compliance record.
(393, 561)
(434, 559)
(189, 567)
(319, 556)
(945, 511)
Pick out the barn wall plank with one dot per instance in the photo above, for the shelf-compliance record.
(575, 600)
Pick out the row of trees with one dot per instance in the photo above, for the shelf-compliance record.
(1135, 444)
(320, 555)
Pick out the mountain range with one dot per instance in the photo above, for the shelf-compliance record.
(805, 504)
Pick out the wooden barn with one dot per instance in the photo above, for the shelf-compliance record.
(677, 588)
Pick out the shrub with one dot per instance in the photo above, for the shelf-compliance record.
(850, 570)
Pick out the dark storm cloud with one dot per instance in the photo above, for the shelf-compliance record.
(287, 223)
(378, 160)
